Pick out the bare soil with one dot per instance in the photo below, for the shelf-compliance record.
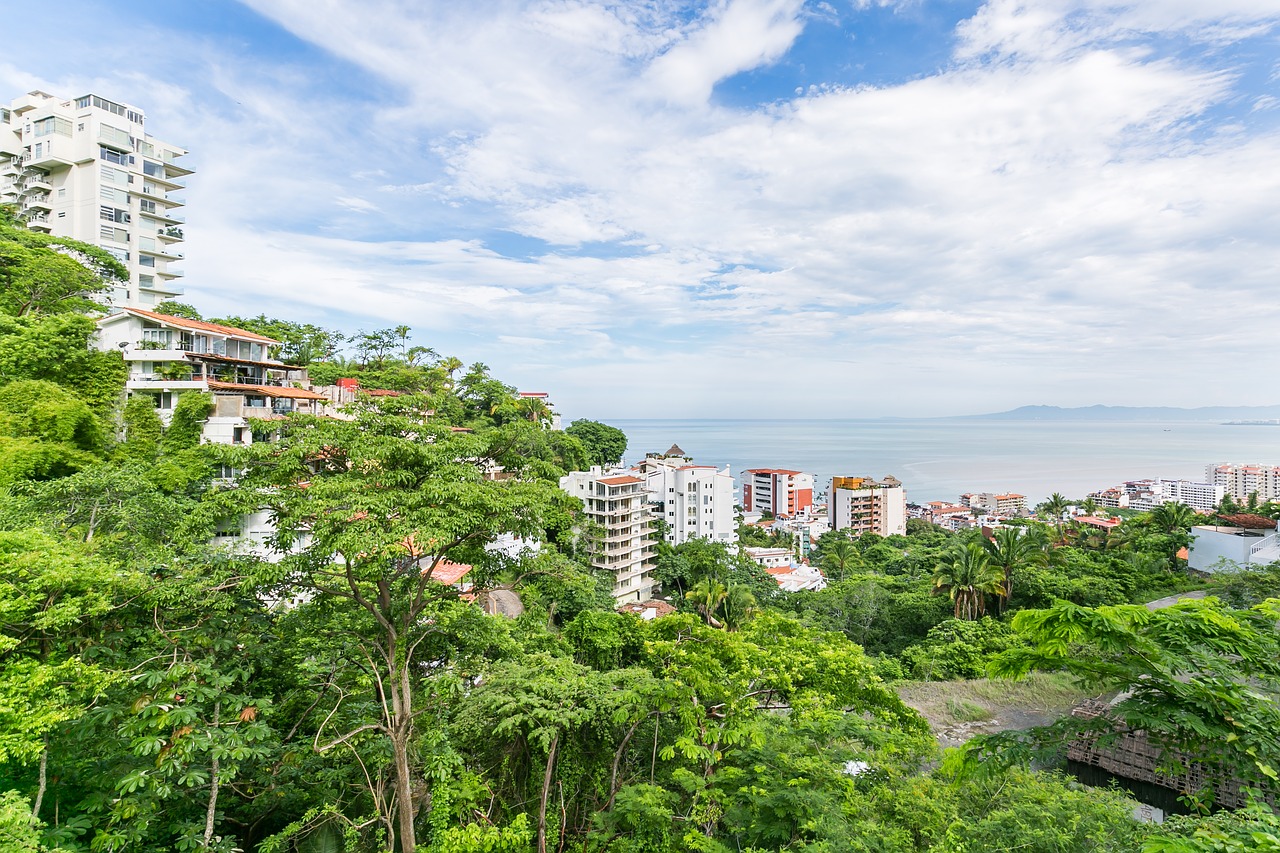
(960, 710)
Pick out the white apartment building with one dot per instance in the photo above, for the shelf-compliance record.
(87, 169)
(1009, 504)
(779, 491)
(1240, 481)
(1146, 495)
(695, 501)
(864, 505)
(623, 538)
(169, 355)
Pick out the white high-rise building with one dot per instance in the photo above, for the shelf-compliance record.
(864, 505)
(695, 501)
(1240, 481)
(623, 540)
(88, 170)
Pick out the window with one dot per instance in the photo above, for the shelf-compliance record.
(114, 156)
(147, 206)
(146, 281)
(155, 170)
(146, 261)
(52, 124)
(110, 194)
(119, 254)
(114, 234)
(62, 192)
(112, 214)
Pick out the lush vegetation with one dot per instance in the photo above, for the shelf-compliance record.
(170, 683)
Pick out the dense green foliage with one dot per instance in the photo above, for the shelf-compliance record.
(170, 683)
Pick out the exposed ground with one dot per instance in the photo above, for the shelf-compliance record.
(959, 710)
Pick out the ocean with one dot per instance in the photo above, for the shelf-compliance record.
(938, 459)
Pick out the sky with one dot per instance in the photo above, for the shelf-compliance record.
(741, 208)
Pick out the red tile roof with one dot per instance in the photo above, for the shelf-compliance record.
(199, 325)
(279, 393)
(619, 481)
(448, 572)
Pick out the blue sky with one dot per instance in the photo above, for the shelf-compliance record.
(768, 208)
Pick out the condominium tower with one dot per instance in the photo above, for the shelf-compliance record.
(88, 170)
(619, 530)
(863, 505)
(695, 501)
(778, 491)
(1240, 481)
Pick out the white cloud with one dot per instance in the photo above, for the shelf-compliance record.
(1061, 208)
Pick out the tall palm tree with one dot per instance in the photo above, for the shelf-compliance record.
(1089, 506)
(968, 574)
(1012, 549)
(738, 606)
(707, 595)
(1054, 508)
(840, 556)
(1174, 520)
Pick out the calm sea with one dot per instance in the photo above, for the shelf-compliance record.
(939, 459)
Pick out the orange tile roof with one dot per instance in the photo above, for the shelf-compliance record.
(379, 392)
(619, 481)
(279, 393)
(199, 325)
(448, 572)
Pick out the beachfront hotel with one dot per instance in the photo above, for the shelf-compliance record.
(87, 169)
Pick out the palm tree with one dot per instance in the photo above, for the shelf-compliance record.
(1054, 508)
(1089, 506)
(1012, 549)
(1174, 520)
(840, 556)
(968, 574)
(707, 595)
(738, 606)
(534, 409)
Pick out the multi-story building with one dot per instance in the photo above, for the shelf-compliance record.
(169, 355)
(1146, 495)
(695, 501)
(88, 170)
(1240, 481)
(778, 491)
(864, 505)
(621, 529)
(1007, 505)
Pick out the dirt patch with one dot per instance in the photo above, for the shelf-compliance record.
(960, 710)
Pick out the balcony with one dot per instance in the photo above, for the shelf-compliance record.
(167, 273)
(172, 234)
(39, 201)
(163, 253)
(37, 182)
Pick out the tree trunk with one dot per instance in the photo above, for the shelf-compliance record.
(546, 789)
(404, 790)
(213, 783)
(44, 781)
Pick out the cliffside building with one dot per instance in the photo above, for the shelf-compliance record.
(87, 169)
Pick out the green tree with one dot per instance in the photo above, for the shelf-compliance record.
(968, 575)
(605, 444)
(1012, 549)
(839, 555)
(42, 274)
(1198, 678)
(1053, 509)
(383, 500)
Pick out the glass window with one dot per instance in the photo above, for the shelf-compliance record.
(146, 261)
(111, 214)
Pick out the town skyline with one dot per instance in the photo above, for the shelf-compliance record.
(866, 210)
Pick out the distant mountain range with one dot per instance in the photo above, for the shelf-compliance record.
(1134, 413)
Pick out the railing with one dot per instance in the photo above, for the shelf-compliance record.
(1271, 541)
